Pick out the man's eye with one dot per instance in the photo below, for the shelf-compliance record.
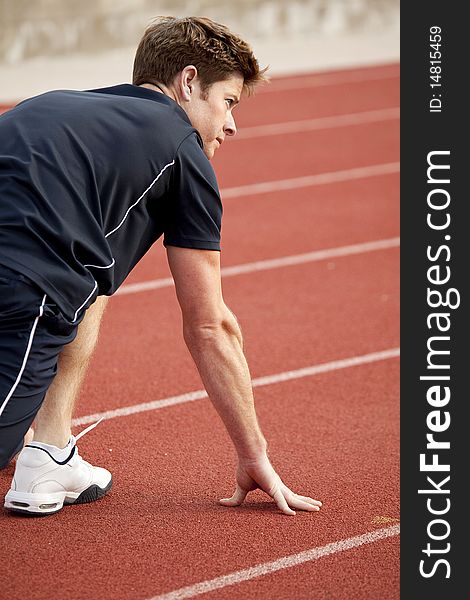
(229, 101)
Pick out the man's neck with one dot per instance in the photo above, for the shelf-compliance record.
(158, 87)
(152, 86)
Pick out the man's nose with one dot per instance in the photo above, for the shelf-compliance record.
(230, 128)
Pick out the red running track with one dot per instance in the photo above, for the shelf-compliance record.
(327, 216)
(333, 435)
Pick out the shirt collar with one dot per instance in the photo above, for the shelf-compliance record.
(136, 91)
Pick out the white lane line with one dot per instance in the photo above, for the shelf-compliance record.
(274, 263)
(334, 365)
(310, 180)
(326, 79)
(371, 116)
(277, 565)
(144, 286)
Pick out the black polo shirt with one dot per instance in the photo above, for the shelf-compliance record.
(90, 179)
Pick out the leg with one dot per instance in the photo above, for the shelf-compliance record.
(43, 355)
(29, 346)
(52, 424)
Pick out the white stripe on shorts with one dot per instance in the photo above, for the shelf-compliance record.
(25, 359)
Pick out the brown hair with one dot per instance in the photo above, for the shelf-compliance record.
(169, 44)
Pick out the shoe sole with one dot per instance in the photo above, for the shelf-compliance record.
(18, 503)
(94, 492)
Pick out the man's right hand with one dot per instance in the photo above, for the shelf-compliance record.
(215, 341)
(259, 473)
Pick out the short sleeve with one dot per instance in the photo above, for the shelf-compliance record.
(193, 214)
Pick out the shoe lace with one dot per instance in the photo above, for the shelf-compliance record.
(78, 436)
(85, 431)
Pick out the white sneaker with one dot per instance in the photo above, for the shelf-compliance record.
(41, 485)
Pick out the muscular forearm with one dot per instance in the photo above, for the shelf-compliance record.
(217, 351)
(214, 339)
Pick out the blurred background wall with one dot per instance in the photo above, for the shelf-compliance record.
(69, 43)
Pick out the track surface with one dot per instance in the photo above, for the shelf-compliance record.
(333, 431)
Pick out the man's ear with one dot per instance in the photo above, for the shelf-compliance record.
(187, 80)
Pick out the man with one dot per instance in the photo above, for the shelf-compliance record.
(88, 181)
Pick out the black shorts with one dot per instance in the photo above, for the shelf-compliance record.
(32, 334)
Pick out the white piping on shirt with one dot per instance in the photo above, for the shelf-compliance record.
(140, 198)
(115, 229)
(94, 288)
(102, 267)
(83, 304)
(25, 358)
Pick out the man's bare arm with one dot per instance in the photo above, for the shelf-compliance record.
(214, 340)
